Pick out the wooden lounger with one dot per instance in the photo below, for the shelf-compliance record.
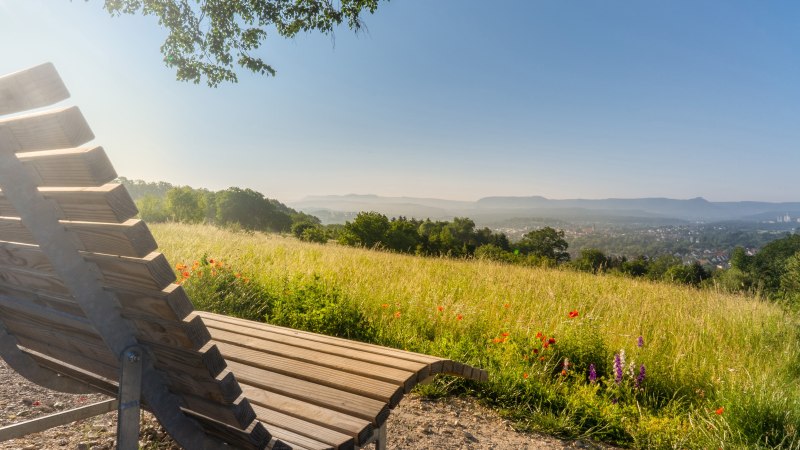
(87, 304)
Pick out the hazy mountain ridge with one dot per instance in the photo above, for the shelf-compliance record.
(695, 209)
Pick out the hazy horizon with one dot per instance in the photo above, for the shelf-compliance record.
(452, 100)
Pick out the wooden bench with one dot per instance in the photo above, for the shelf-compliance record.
(87, 304)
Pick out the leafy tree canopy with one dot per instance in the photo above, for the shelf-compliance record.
(209, 38)
(547, 243)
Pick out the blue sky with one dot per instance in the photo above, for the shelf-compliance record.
(453, 99)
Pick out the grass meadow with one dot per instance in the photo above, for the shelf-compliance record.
(562, 348)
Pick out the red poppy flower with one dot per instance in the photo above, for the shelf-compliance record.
(539, 335)
(551, 341)
(720, 411)
(440, 308)
(459, 317)
(573, 314)
(535, 351)
(525, 375)
(397, 314)
(504, 334)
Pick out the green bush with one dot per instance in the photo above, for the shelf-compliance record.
(312, 305)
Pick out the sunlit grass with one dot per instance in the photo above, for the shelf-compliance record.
(703, 350)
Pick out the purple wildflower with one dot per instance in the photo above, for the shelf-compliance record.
(592, 373)
(618, 368)
(640, 342)
(640, 378)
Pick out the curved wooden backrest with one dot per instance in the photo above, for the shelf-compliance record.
(74, 310)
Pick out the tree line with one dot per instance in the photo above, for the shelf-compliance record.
(773, 272)
(233, 207)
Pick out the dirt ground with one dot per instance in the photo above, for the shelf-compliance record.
(417, 423)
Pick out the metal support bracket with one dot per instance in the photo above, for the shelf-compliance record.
(130, 392)
(378, 437)
(39, 424)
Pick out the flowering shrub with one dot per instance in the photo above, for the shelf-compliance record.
(305, 304)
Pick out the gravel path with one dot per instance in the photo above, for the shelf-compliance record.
(417, 423)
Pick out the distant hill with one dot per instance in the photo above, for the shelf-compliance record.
(503, 208)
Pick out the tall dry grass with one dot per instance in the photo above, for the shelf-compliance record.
(705, 352)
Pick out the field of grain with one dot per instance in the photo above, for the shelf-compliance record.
(577, 355)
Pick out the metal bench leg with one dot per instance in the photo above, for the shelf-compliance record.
(39, 424)
(380, 442)
(130, 392)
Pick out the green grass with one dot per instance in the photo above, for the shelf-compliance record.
(703, 350)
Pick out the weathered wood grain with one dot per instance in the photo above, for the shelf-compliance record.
(354, 350)
(303, 432)
(49, 130)
(31, 88)
(359, 429)
(313, 337)
(323, 355)
(130, 238)
(169, 304)
(188, 334)
(254, 436)
(108, 203)
(74, 167)
(324, 396)
(343, 381)
(152, 272)
(93, 380)
(89, 353)
(274, 334)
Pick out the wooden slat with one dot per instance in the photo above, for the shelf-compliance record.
(313, 337)
(342, 363)
(205, 395)
(130, 238)
(145, 274)
(254, 436)
(83, 166)
(188, 370)
(100, 384)
(152, 272)
(323, 376)
(33, 280)
(327, 397)
(237, 414)
(168, 304)
(88, 353)
(359, 429)
(275, 421)
(295, 440)
(31, 88)
(206, 360)
(277, 335)
(188, 335)
(49, 130)
(109, 203)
